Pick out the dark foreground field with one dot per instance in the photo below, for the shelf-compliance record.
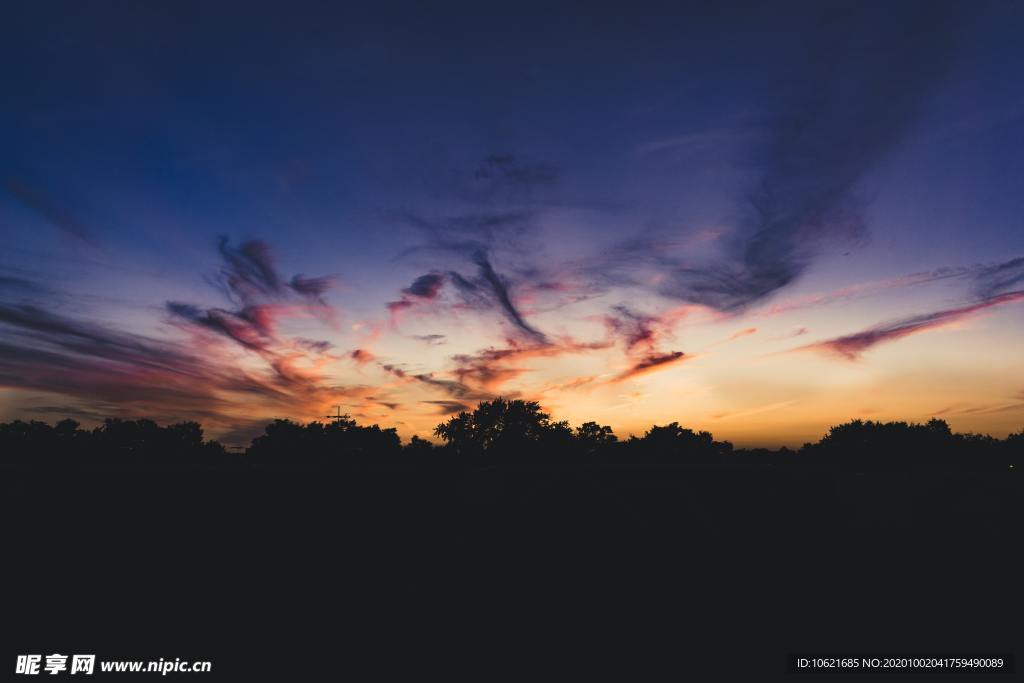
(392, 572)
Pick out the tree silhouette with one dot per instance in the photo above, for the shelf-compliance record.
(501, 427)
(418, 447)
(667, 442)
(895, 445)
(139, 442)
(502, 430)
(285, 441)
(592, 438)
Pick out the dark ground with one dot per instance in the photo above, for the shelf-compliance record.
(646, 572)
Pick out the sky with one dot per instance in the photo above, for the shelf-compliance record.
(758, 219)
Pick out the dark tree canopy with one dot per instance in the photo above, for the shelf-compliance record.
(138, 442)
(316, 442)
(500, 430)
(673, 441)
(500, 426)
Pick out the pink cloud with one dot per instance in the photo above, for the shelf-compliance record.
(851, 346)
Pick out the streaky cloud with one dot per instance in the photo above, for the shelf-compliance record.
(497, 208)
(88, 339)
(425, 286)
(249, 279)
(248, 271)
(873, 68)
(14, 283)
(448, 407)
(491, 367)
(500, 292)
(852, 346)
(999, 278)
(234, 326)
(487, 290)
(431, 339)
(48, 352)
(311, 287)
(642, 335)
(649, 363)
(51, 210)
(874, 287)
(452, 388)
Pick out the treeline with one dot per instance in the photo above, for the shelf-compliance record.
(116, 441)
(498, 431)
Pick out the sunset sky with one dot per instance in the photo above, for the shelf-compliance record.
(759, 219)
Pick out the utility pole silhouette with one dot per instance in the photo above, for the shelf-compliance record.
(338, 417)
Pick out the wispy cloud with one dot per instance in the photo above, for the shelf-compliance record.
(249, 279)
(50, 209)
(642, 335)
(499, 291)
(999, 277)
(870, 71)
(452, 388)
(498, 203)
(851, 346)
(570, 385)
(425, 288)
(650, 363)
(21, 285)
(448, 407)
(742, 333)
(362, 356)
(754, 411)
(207, 375)
(695, 142)
(490, 368)
(486, 289)
(52, 353)
(431, 339)
(864, 289)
